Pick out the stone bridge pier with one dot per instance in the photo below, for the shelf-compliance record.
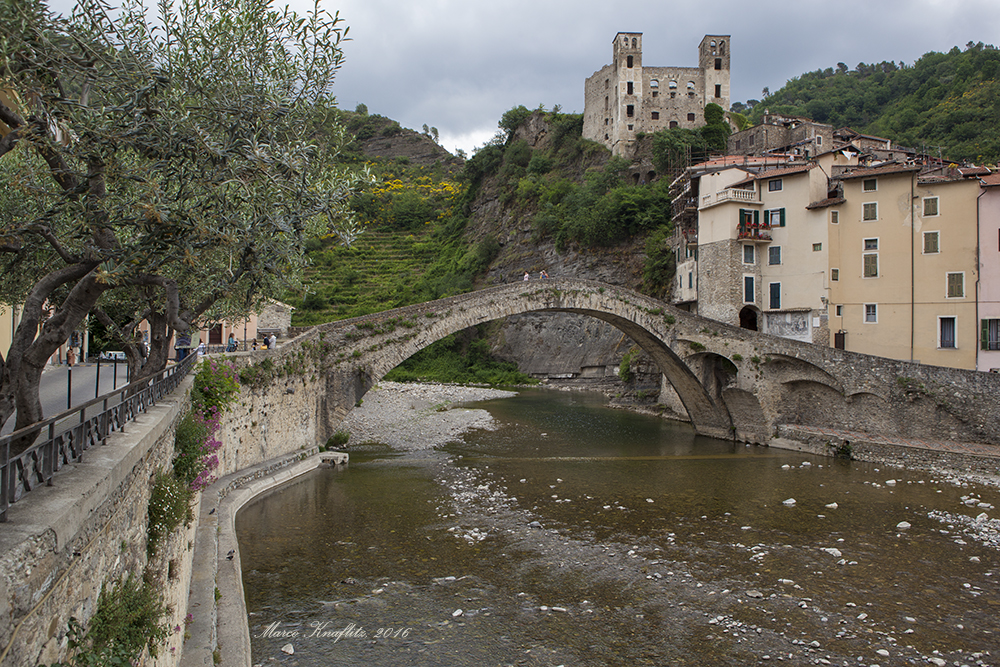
(732, 383)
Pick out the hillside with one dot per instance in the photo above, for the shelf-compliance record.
(947, 103)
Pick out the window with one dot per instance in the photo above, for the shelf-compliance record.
(690, 86)
(672, 85)
(718, 65)
(839, 310)
(871, 313)
(930, 206)
(691, 117)
(691, 279)
(774, 185)
(870, 261)
(834, 217)
(774, 255)
(655, 93)
(834, 275)
(817, 247)
(655, 115)
(752, 137)
(629, 90)
(774, 303)
(869, 185)
(869, 211)
(946, 332)
(630, 110)
(956, 285)
(748, 289)
(990, 335)
(718, 90)
(628, 61)
(748, 254)
(932, 243)
(673, 124)
(819, 140)
(653, 83)
(775, 217)
(871, 244)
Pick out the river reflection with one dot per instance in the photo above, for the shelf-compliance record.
(580, 535)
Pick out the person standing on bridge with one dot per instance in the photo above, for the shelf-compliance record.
(526, 277)
(543, 275)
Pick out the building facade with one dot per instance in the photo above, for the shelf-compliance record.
(625, 98)
(988, 286)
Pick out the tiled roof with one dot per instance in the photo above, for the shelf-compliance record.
(823, 203)
(878, 171)
(991, 180)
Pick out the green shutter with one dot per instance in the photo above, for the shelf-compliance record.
(756, 217)
(781, 216)
(984, 342)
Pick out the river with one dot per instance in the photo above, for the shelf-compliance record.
(580, 535)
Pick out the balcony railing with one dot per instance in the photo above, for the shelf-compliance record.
(730, 194)
(64, 438)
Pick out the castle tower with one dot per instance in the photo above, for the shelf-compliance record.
(713, 59)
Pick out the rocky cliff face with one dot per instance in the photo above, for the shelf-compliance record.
(557, 347)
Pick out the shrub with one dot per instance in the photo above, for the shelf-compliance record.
(169, 507)
(130, 616)
(215, 385)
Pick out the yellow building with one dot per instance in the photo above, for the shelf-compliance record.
(903, 267)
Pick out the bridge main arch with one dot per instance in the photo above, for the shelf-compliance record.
(371, 346)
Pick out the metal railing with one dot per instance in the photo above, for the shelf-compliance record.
(64, 438)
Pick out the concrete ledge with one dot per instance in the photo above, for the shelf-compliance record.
(221, 624)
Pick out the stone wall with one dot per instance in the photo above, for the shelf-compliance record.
(63, 541)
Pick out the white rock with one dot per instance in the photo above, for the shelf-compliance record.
(940, 662)
(833, 552)
(288, 649)
(789, 502)
(890, 482)
(902, 525)
(786, 467)
(882, 652)
(832, 506)
(457, 613)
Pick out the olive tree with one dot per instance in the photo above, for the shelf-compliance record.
(165, 160)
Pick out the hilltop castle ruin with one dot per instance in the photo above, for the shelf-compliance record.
(625, 98)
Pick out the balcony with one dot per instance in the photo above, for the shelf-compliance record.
(750, 231)
(730, 194)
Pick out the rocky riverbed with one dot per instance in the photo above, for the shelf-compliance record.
(410, 417)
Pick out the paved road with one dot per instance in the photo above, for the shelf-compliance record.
(58, 395)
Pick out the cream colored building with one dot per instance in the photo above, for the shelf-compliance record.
(903, 267)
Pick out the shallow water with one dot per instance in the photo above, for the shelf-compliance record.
(580, 535)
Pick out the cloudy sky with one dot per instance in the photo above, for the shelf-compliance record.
(457, 65)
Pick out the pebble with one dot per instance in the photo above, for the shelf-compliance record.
(288, 649)
(903, 525)
(832, 506)
(789, 502)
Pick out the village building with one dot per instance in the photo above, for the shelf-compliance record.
(988, 285)
(626, 98)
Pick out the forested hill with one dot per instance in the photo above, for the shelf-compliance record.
(947, 102)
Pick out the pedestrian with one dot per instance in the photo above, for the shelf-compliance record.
(543, 275)
(274, 341)
(231, 345)
(254, 344)
(70, 357)
(526, 277)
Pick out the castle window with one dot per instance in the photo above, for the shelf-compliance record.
(691, 85)
(629, 90)
(654, 83)
(656, 115)
(634, 42)
(718, 90)
(605, 102)
(691, 117)
(628, 61)
(672, 85)
(629, 128)
(655, 94)
(718, 63)
(606, 84)
(722, 48)
(673, 124)
(712, 43)
(630, 110)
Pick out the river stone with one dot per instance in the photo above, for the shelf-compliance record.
(754, 594)
(789, 502)
(288, 649)
(903, 525)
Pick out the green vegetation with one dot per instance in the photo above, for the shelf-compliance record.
(463, 357)
(947, 101)
(674, 149)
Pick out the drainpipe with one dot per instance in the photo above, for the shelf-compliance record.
(979, 271)
(913, 249)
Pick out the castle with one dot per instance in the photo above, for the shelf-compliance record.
(625, 98)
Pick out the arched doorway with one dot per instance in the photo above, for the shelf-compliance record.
(748, 319)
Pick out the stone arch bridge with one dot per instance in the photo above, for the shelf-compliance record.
(732, 383)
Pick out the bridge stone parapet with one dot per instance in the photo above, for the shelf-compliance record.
(732, 382)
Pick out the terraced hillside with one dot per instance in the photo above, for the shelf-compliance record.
(378, 272)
